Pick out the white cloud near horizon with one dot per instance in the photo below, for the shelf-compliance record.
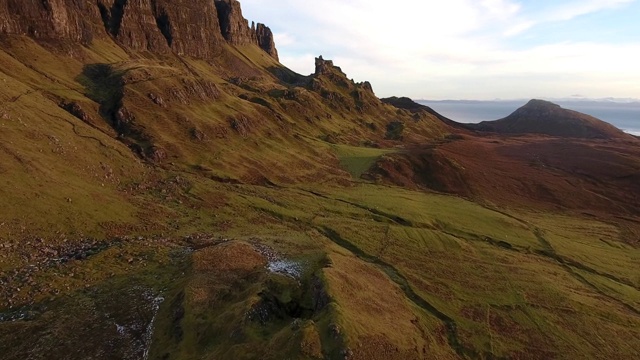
(453, 49)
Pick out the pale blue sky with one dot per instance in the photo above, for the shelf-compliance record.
(465, 49)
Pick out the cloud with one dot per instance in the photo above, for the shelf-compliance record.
(563, 12)
(519, 28)
(578, 8)
(444, 48)
(284, 39)
(501, 9)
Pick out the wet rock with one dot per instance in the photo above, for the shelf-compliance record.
(289, 268)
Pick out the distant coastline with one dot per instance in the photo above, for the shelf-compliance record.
(622, 113)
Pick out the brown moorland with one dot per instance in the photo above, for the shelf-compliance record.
(170, 190)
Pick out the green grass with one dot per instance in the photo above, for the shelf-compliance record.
(440, 247)
(399, 267)
(593, 244)
(357, 160)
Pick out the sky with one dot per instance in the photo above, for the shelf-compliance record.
(465, 49)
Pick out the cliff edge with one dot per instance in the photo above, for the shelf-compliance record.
(196, 28)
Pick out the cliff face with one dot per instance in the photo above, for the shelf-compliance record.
(235, 28)
(133, 24)
(196, 28)
(190, 27)
(73, 20)
(265, 40)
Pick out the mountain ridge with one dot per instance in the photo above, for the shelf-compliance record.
(171, 191)
(544, 117)
(196, 28)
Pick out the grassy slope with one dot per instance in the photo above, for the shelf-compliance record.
(357, 160)
(507, 298)
(408, 274)
(63, 172)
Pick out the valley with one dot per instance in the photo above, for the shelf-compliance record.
(178, 194)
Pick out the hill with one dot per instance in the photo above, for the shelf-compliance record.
(543, 117)
(170, 190)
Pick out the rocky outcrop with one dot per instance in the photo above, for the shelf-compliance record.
(190, 28)
(264, 36)
(133, 24)
(340, 92)
(326, 67)
(235, 28)
(196, 28)
(72, 20)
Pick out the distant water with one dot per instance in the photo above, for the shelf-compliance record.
(625, 116)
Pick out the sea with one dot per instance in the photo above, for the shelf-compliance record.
(623, 115)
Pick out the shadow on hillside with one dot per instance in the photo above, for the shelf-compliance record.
(289, 77)
(105, 85)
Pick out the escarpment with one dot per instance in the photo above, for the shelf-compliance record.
(196, 28)
(265, 40)
(70, 20)
(132, 24)
(235, 28)
(190, 28)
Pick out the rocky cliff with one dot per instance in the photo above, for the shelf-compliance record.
(196, 28)
(73, 20)
(264, 36)
(133, 24)
(235, 28)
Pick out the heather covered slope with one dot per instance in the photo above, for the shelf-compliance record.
(176, 194)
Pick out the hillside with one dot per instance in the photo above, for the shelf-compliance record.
(543, 117)
(170, 190)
